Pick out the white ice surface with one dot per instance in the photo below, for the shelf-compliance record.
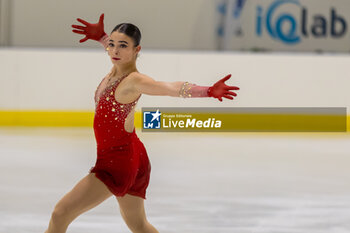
(200, 183)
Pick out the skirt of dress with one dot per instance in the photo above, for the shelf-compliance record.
(124, 168)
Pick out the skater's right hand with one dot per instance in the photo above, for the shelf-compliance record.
(91, 31)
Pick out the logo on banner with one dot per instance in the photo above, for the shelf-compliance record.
(235, 12)
(290, 29)
(151, 120)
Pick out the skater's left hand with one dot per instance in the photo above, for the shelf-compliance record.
(220, 89)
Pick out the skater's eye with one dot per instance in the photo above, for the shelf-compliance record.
(111, 45)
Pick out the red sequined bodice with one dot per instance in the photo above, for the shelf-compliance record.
(110, 117)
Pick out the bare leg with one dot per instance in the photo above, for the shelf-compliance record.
(87, 193)
(133, 212)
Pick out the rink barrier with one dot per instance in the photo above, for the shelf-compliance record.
(85, 119)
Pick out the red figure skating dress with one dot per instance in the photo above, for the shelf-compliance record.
(122, 162)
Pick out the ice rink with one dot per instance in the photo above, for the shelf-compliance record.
(200, 183)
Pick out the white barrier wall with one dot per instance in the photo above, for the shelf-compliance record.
(51, 79)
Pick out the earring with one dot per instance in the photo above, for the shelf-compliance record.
(107, 49)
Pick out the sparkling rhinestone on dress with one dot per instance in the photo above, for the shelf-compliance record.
(107, 98)
(113, 109)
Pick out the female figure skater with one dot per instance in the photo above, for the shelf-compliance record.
(122, 167)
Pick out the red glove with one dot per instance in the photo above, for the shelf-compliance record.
(220, 89)
(91, 31)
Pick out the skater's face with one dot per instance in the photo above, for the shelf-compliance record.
(121, 49)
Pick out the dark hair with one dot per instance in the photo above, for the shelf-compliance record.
(130, 30)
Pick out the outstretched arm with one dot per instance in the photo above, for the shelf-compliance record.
(146, 85)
